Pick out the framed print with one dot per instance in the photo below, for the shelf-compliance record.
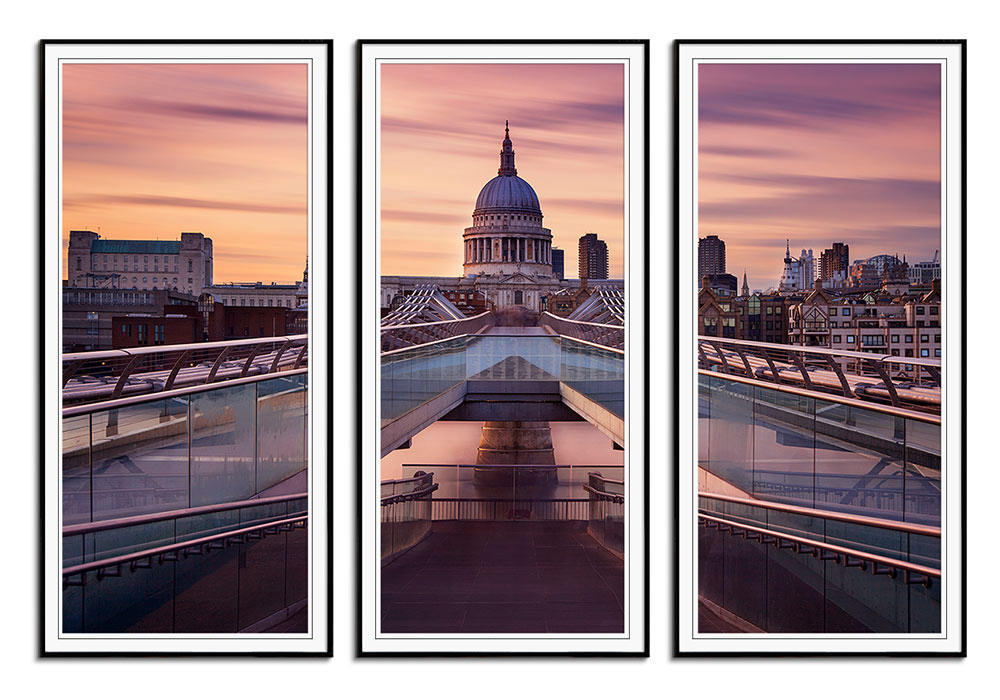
(821, 347)
(185, 484)
(503, 359)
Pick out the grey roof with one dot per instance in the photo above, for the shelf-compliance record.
(508, 192)
(136, 247)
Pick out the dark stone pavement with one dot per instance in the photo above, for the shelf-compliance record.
(504, 577)
(710, 623)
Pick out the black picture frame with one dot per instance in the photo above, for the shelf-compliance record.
(326, 45)
(680, 333)
(360, 651)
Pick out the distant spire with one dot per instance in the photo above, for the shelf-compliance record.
(507, 153)
(746, 287)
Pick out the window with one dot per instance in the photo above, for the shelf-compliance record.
(895, 352)
(934, 311)
(190, 268)
(920, 311)
(251, 302)
(836, 338)
(908, 352)
(770, 325)
(937, 337)
(847, 312)
(925, 339)
(937, 352)
(78, 263)
(833, 324)
(909, 339)
(850, 339)
(895, 338)
(924, 353)
(270, 302)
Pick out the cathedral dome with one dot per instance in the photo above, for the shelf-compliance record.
(507, 190)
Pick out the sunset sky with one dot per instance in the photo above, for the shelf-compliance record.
(817, 154)
(150, 151)
(442, 128)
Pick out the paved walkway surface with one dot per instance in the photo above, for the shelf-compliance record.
(504, 577)
(709, 622)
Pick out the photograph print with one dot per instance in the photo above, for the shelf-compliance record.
(821, 366)
(502, 474)
(185, 348)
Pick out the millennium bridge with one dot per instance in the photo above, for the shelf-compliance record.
(819, 490)
(184, 488)
(515, 542)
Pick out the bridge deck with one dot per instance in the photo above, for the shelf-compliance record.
(495, 577)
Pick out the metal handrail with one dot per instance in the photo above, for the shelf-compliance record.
(409, 496)
(605, 479)
(158, 349)
(188, 547)
(604, 495)
(411, 348)
(610, 326)
(833, 398)
(821, 549)
(84, 409)
(813, 350)
(501, 335)
(433, 323)
(85, 528)
(882, 523)
(407, 480)
(593, 345)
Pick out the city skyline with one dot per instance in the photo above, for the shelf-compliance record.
(441, 128)
(151, 150)
(817, 153)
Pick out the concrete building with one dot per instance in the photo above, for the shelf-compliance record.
(759, 317)
(593, 254)
(926, 272)
(88, 312)
(833, 261)
(711, 256)
(904, 326)
(798, 274)
(559, 263)
(183, 265)
(256, 294)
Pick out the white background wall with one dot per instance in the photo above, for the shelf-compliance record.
(23, 24)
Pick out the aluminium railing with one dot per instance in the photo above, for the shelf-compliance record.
(788, 443)
(238, 567)
(606, 512)
(405, 513)
(203, 545)
(817, 570)
(603, 334)
(876, 376)
(395, 337)
(111, 374)
(151, 453)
